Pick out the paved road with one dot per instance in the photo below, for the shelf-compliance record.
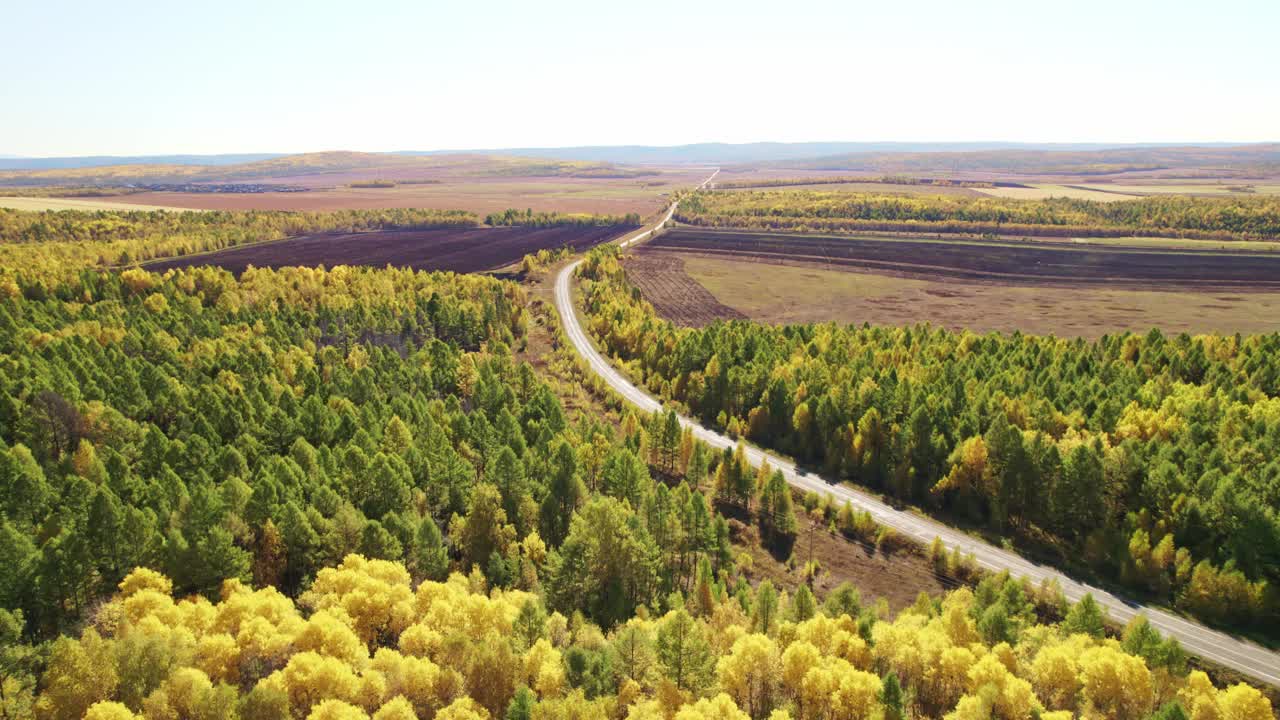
(1246, 657)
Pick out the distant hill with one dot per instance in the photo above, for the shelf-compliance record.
(310, 164)
(764, 152)
(623, 161)
(18, 162)
(1262, 158)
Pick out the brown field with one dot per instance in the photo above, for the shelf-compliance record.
(877, 187)
(778, 288)
(806, 293)
(481, 195)
(676, 296)
(1020, 263)
(610, 196)
(466, 250)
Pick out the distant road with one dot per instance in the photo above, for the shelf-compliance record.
(647, 232)
(1246, 657)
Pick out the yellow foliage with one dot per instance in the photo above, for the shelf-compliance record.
(310, 677)
(750, 672)
(1054, 674)
(109, 711)
(720, 707)
(397, 708)
(544, 669)
(375, 594)
(441, 650)
(413, 679)
(463, 708)
(81, 673)
(1241, 702)
(218, 656)
(145, 579)
(1115, 685)
(836, 637)
(336, 710)
(329, 632)
(1011, 697)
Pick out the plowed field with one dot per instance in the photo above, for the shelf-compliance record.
(466, 250)
(1017, 263)
(676, 296)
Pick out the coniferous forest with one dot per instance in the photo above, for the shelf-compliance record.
(348, 493)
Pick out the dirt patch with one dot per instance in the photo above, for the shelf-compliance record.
(897, 578)
(460, 250)
(676, 296)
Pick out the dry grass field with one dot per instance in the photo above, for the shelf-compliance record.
(799, 292)
(1221, 188)
(1040, 191)
(116, 203)
(611, 196)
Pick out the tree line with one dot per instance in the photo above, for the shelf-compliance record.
(529, 218)
(40, 249)
(832, 211)
(845, 179)
(1145, 459)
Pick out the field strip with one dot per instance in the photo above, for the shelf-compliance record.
(40, 204)
(1240, 655)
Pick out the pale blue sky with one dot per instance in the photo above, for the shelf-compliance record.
(79, 78)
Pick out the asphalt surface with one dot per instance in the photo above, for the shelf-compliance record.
(1243, 656)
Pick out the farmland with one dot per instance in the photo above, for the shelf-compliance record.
(676, 296)
(1024, 263)
(802, 292)
(455, 249)
(479, 195)
(363, 181)
(1040, 191)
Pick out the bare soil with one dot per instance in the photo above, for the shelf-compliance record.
(676, 296)
(459, 250)
(897, 577)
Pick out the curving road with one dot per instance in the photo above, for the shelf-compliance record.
(1246, 657)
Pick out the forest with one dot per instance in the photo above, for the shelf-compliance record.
(346, 493)
(1146, 460)
(834, 211)
(47, 248)
(529, 218)
(366, 640)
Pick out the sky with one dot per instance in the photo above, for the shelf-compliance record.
(134, 78)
